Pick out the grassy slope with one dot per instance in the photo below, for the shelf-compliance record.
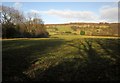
(60, 28)
(65, 58)
(64, 28)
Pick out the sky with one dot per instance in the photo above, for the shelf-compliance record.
(60, 0)
(65, 12)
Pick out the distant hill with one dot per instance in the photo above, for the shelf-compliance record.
(89, 29)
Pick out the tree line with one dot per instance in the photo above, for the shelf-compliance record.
(17, 25)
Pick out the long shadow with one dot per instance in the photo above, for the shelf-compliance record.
(94, 65)
(96, 68)
(17, 59)
(92, 68)
(111, 47)
(110, 44)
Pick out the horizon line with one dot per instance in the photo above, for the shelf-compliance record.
(81, 22)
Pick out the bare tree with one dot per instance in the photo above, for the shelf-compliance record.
(35, 24)
(10, 17)
(13, 19)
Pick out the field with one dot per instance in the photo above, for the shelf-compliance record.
(60, 29)
(86, 29)
(61, 58)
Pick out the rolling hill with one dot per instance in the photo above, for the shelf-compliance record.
(88, 29)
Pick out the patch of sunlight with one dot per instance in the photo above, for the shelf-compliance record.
(16, 47)
(101, 51)
(39, 38)
(70, 37)
(42, 64)
(108, 57)
(69, 56)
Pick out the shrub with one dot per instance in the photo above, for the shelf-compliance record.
(82, 32)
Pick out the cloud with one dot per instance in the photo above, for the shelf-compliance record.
(109, 14)
(17, 5)
(70, 15)
(106, 13)
(34, 11)
(32, 14)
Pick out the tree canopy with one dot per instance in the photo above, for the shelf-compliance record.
(15, 24)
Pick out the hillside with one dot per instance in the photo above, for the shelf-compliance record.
(88, 29)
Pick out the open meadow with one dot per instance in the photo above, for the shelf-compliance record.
(61, 58)
(60, 41)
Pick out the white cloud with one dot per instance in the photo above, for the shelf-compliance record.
(32, 14)
(106, 14)
(70, 15)
(17, 5)
(109, 14)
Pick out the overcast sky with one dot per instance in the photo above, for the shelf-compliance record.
(65, 12)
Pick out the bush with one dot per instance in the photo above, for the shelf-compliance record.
(10, 31)
(82, 32)
(67, 32)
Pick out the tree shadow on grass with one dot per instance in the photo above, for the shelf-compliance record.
(90, 68)
(97, 68)
(111, 48)
(18, 58)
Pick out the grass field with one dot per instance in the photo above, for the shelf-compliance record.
(61, 58)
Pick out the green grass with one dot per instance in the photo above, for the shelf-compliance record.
(64, 28)
(71, 37)
(61, 58)
(60, 29)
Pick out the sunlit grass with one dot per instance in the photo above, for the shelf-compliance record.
(79, 36)
(61, 57)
